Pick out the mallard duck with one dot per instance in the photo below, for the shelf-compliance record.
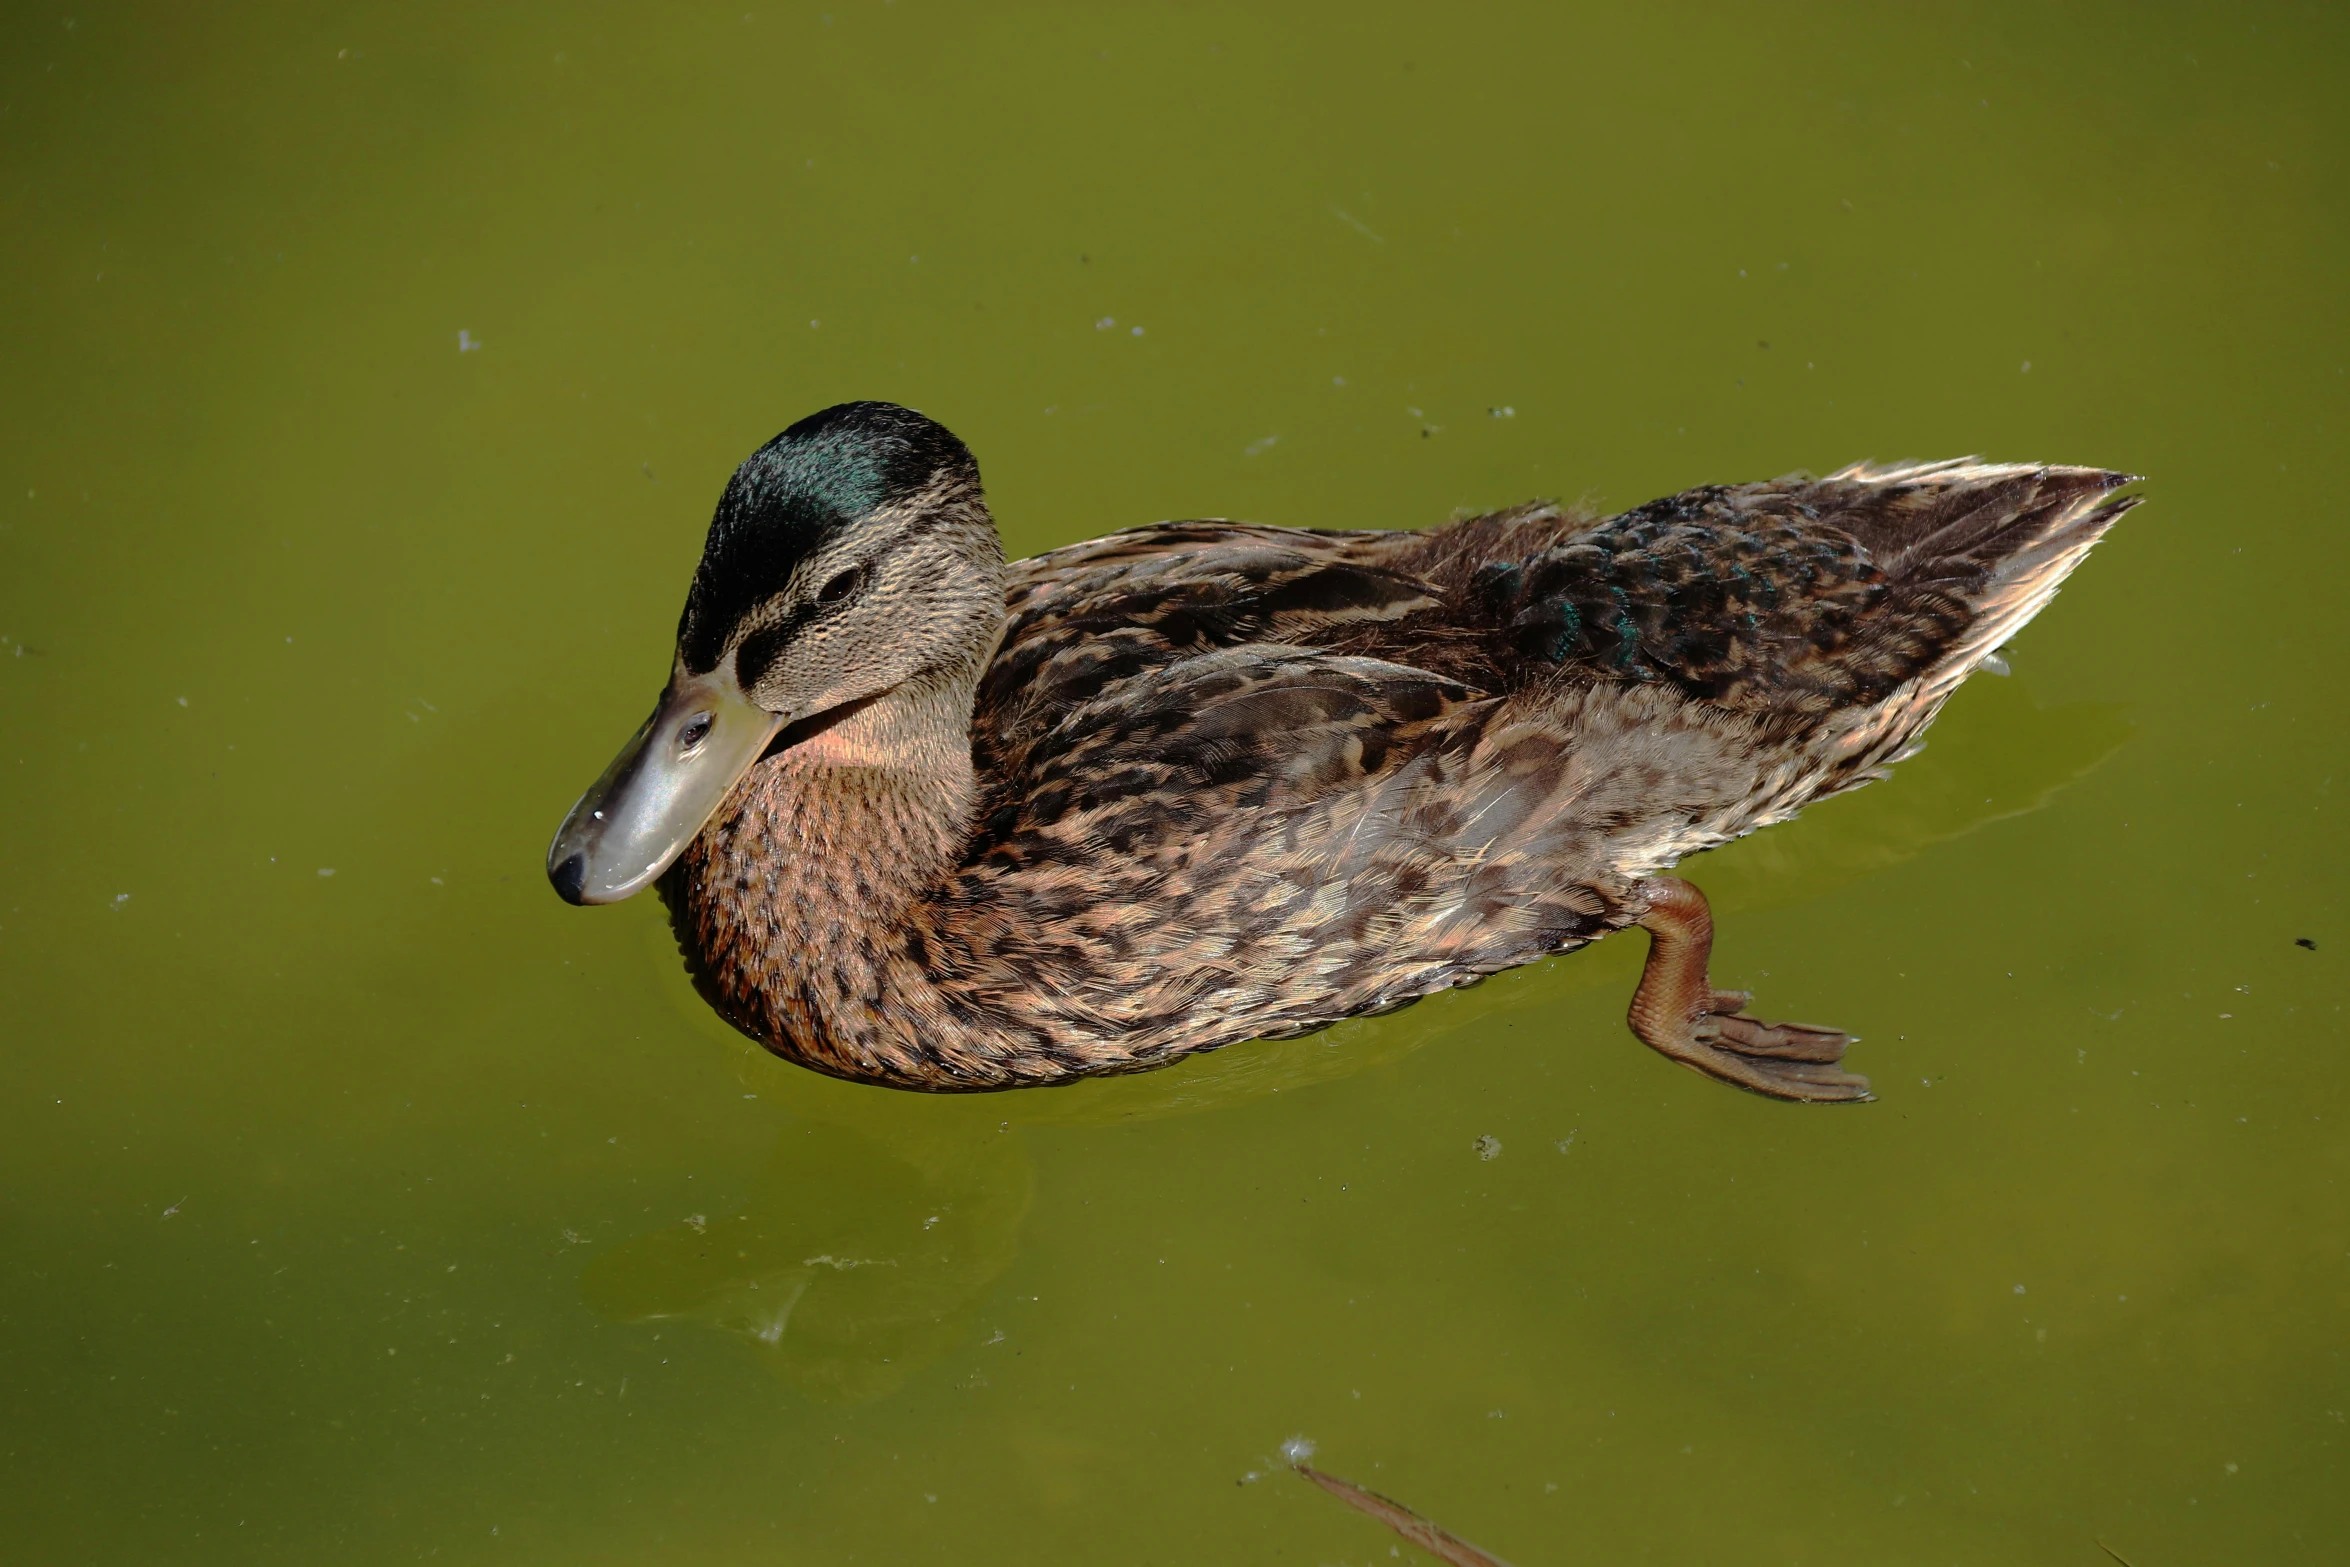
(929, 820)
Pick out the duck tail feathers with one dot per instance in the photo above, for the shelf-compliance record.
(1998, 538)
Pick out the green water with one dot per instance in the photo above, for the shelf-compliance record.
(403, 1212)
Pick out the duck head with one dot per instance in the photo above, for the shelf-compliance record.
(852, 560)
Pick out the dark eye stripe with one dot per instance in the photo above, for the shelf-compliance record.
(759, 651)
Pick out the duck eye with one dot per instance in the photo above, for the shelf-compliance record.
(696, 730)
(843, 584)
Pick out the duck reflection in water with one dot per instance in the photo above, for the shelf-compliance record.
(853, 1262)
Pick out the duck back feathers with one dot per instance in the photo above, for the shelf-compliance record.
(1800, 597)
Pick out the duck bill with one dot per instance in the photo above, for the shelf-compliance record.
(660, 790)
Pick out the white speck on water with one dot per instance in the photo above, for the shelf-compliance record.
(1105, 323)
(2019, 1289)
(1505, 411)
(1488, 1147)
(183, 701)
(1297, 1449)
(326, 870)
(1138, 331)
(1566, 1144)
(121, 898)
(697, 1222)
(2027, 369)
(1257, 448)
(467, 343)
(813, 323)
(1338, 380)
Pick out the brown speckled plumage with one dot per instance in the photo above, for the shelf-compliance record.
(1217, 782)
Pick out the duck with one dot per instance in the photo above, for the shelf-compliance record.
(932, 820)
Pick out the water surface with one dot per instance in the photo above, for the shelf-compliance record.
(371, 372)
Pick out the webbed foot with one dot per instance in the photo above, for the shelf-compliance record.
(1677, 1012)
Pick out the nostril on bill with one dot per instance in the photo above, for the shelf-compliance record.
(570, 878)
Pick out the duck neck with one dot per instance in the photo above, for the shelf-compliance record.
(794, 905)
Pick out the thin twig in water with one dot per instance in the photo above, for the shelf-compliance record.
(2116, 1555)
(1437, 1542)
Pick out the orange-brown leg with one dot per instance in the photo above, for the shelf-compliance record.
(1677, 1012)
